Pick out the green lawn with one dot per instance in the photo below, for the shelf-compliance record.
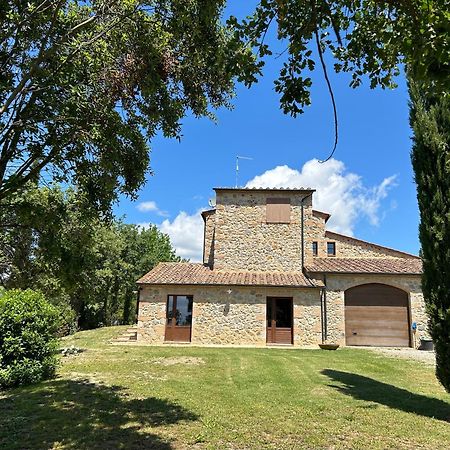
(137, 397)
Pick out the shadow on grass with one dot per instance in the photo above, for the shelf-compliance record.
(81, 414)
(368, 389)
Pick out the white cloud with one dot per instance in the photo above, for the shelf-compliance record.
(339, 192)
(151, 206)
(186, 234)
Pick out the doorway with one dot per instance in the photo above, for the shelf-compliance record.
(279, 320)
(179, 318)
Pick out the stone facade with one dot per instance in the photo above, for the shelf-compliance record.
(243, 239)
(348, 247)
(237, 237)
(221, 317)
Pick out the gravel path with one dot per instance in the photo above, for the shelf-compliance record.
(406, 353)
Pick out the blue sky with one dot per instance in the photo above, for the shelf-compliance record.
(368, 187)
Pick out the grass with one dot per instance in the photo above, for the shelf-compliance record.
(136, 397)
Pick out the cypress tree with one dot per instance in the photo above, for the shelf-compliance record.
(430, 122)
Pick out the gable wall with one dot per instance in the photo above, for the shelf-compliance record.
(346, 247)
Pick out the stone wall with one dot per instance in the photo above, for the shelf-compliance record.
(209, 237)
(243, 239)
(236, 318)
(237, 236)
(152, 315)
(346, 246)
(239, 317)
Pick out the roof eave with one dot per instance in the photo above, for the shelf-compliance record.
(335, 272)
(302, 286)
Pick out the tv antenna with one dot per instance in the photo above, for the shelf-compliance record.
(237, 166)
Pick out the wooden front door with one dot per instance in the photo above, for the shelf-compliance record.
(179, 318)
(279, 320)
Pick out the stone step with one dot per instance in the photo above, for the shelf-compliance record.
(130, 335)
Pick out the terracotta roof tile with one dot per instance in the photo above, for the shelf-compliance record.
(372, 265)
(199, 274)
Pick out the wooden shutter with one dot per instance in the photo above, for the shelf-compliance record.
(278, 210)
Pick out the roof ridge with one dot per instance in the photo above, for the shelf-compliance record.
(300, 189)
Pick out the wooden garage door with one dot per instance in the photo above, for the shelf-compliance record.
(376, 314)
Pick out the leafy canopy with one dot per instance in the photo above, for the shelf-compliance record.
(86, 85)
(365, 37)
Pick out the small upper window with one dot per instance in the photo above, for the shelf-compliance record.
(331, 248)
(315, 248)
(278, 210)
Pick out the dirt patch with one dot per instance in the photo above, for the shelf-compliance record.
(187, 360)
(426, 357)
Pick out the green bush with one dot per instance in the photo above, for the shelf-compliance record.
(28, 324)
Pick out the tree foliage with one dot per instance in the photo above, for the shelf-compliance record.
(365, 37)
(28, 325)
(430, 121)
(86, 266)
(85, 85)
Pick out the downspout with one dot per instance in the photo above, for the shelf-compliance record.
(303, 230)
(323, 292)
(322, 329)
(325, 317)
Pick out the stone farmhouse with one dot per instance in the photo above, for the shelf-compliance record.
(272, 274)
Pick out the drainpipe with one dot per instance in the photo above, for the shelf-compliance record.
(322, 329)
(323, 292)
(303, 229)
(325, 318)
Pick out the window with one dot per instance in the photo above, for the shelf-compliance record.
(179, 310)
(179, 318)
(278, 210)
(331, 248)
(315, 248)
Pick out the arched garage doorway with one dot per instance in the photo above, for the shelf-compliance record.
(376, 315)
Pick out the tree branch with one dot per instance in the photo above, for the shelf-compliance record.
(327, 80)
(42, 56)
